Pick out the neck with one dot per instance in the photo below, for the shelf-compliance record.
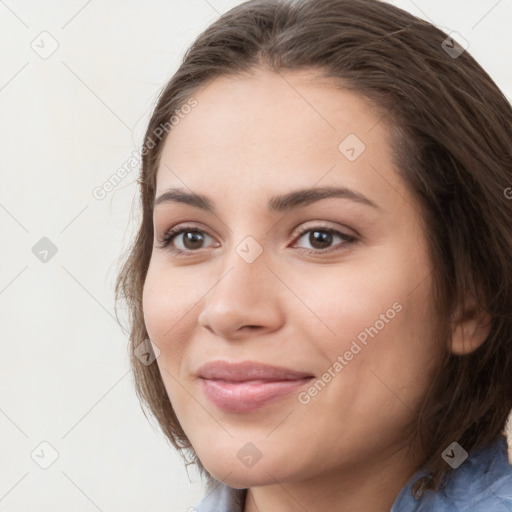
(372, 488)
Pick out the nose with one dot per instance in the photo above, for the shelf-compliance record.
(244, 299)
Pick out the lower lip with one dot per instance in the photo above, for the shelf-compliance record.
(249, 395)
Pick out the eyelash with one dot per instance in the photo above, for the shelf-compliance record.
(172, 233)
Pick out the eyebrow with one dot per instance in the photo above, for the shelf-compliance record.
(281, 203)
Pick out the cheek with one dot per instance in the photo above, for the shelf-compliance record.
(383, 306)
(168, 319)
(167, 311)
(342, 302)
(386, 361)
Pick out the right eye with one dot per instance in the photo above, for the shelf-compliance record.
(191, 242)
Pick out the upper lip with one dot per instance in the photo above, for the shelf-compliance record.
(248, 370)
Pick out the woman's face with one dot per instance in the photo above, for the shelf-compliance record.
(264, 280)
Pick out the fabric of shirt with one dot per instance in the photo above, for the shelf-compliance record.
(482, 483)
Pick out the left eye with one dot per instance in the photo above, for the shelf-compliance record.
(321, 238)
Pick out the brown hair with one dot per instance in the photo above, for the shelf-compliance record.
(451, 128)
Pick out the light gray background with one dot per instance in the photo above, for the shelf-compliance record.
(67, 123)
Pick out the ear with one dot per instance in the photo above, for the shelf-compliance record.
(470, 330)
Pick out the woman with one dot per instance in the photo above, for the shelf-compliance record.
(323, 264)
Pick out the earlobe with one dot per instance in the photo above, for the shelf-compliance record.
(470, 331)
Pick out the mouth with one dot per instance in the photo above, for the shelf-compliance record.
(248, 386)
(248, 370)
(245, 396)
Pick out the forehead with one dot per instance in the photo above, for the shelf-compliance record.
(269, 131)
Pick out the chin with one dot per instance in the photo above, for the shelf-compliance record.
(235, 474)
(243, 479)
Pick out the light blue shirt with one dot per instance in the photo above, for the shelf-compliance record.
(482, 483)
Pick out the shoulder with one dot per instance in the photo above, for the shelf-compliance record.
(482, 483)
(221, 498)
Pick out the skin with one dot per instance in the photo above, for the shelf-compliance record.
(248, 139)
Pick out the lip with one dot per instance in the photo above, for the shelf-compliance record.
(247, 386)
(248, 370)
